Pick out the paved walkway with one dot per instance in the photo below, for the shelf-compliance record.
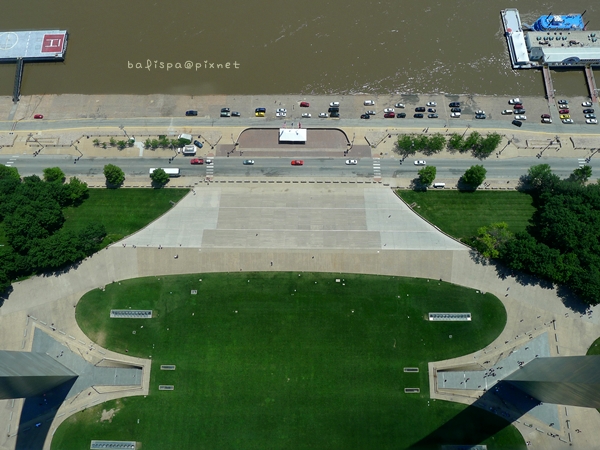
(531, 308)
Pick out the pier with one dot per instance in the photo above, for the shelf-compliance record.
(18, 79)
(548, 84)
(37, 45)
(591, 83)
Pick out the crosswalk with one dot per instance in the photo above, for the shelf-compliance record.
(582, 162)
(11, 161)
(210, 169)
(377, 167)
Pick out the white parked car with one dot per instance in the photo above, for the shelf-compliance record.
(332, 104)
(351, 162)
(587, 104)
(591, 121)
(399, 105)
(280, 114)
(306, 115)
(520, 117)
(514, 101)
(546, 120)
(370, 113)
(323, 115)
(455, 115)
(387, 110)
(283, 110)
(479, 111)
(420, 162)
(507, 112)
(369, 103)
(431, 104)
(567, 121)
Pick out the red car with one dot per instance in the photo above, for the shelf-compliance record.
(196, 161)
(297, 162)
(563, 111)
(38, 116)
(389, 115)
(545, 116)
(304, 104)
(518, 106)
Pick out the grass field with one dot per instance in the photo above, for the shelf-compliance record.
(288, 361)
(122, 211)
(460, 214)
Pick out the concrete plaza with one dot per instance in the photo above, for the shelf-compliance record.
(303, 227)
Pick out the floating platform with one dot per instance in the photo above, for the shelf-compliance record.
(515, 38)
(554, 22)
(39, 45)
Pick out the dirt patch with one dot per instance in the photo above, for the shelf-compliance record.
(108, 415)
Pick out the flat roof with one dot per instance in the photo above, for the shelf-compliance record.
(292, 135)
(33, 45)
(564, 39)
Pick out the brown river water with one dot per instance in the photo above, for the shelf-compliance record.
(310, 47)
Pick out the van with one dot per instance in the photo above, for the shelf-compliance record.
(439, 185)
(189, 150)
(187, 137)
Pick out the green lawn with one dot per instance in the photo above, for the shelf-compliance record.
(288, 361)
(122, 211)
(460, 214)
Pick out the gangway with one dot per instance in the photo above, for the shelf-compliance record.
(591, 83)
(18, 79)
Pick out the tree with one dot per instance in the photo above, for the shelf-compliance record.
(404, 145)
(474, 176)
(581, 174)
(75, 191)
(159, 178)
(112, 141)
(54, 174)
(121, 145)
(114, 175)
(455, 142)
(487, 145)
(490, 239)
(427, 175)
(540, 177)
(9, 173)
(436, 143)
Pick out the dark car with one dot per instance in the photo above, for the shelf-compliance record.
(418, 116)
(334, 109)
(588, 111)
(365, 116)
(518, 106)
(454, 105)
(563, 111)
(480, 116)
(545, 116)
(225, 114)
(432, 116)
(419, 109)
(389, 115)
(235, 114)
(304, 104)
(260, 110)
(191, 112)
(519, 111)
(431, 110)
(334, 114)
(198, 144)
(225, 110)
(455, 110)
(517, 123)
(401, 115)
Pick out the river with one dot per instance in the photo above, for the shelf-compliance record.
(308, 47)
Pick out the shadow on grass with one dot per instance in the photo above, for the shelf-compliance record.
(37, 416)
(482, 420)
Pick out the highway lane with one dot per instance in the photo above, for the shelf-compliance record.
(508, 169)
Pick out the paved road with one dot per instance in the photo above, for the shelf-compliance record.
(497, 122)
(509, 169)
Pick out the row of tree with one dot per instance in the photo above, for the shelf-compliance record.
(481, 146)
(31, 212)
(115, 176)
(473, 177)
